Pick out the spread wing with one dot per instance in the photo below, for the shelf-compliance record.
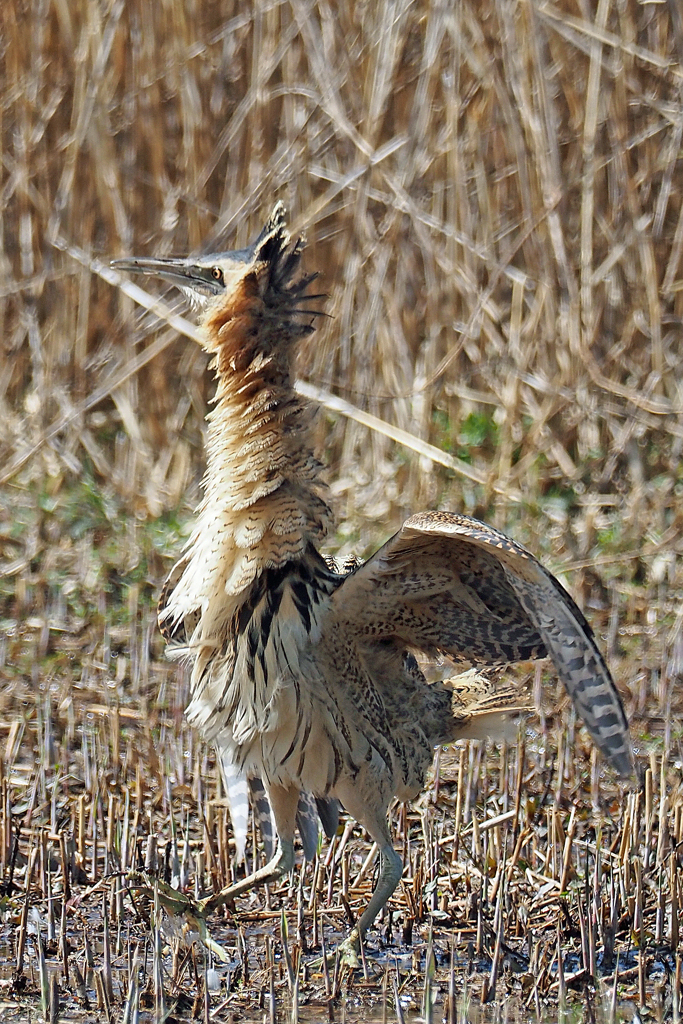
(449, 583)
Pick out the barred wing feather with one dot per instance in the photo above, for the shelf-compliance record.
(449, 583)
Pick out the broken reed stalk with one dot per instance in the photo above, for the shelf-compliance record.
(507, 886)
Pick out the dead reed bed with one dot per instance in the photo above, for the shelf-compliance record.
(534, 885)
(492, 194)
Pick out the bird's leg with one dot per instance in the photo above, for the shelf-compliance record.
(281, 863)
(284, 803)
(391, 869)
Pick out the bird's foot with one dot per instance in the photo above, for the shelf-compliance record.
(172, 900)
(190, 915)
(346, 954)
(210, 904)
(348, 950)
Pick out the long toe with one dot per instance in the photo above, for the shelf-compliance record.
(348, 950)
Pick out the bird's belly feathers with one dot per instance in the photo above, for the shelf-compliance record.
(299, 702)
(314, 731)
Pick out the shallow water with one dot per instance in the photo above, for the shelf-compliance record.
(370, 999)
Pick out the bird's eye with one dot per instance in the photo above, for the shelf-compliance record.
(217, 274)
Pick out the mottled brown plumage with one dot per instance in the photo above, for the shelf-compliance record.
(304, 676)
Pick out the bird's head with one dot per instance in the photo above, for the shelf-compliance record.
(260, 284)
(204, 278)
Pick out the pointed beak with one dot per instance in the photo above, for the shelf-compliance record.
(182, 273)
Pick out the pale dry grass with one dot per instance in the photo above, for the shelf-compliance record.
(493, 197)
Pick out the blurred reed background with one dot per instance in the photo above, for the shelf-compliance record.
(492, 193)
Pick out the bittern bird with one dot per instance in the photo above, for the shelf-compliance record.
(305, 676)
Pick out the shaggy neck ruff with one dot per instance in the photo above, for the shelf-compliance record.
(264, 504)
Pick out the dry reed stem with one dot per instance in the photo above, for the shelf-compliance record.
(435, 156)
